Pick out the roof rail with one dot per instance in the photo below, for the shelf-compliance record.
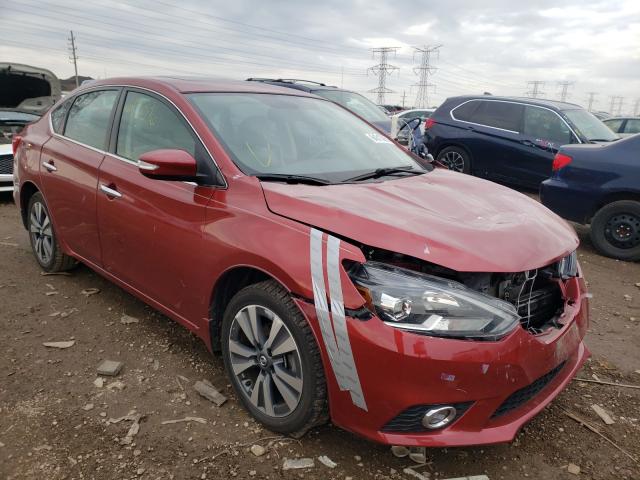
(284, 80)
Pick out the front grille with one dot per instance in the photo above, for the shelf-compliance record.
(6, 164)
(522, 396)
(410, 420)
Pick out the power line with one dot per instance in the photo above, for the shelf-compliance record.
(591, 100)
(424, 71)
(382, 69)
(564, 92)
(73, 55)
(536, 86)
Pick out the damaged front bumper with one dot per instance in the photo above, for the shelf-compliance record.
(497, 386)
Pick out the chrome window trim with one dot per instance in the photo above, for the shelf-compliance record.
(118, 157)
(515, 103)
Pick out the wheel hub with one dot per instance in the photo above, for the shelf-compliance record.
(623, 231)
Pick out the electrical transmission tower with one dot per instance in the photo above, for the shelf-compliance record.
(536, 86)
(564, 90)
(73, 55)
(636, 107)
(616, 104)
(424, 71)
(382, 70)
(591, 100)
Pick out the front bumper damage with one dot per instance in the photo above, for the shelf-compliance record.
(498, 385)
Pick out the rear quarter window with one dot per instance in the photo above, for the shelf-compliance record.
(491, 113)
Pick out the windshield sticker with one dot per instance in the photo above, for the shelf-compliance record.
(377, 138)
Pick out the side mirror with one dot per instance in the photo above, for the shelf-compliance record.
(169, 164)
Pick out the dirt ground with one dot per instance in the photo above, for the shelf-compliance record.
(55, 422)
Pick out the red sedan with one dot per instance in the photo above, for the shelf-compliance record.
(339, 277)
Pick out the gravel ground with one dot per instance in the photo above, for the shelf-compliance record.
(55, 423)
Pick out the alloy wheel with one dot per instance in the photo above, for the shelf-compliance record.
(623, 230)
(41, 233)
(266, 361)
(453, 161)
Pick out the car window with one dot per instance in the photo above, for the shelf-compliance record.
(614, 124)
(543, 124)
(89, 118)
(292, 135)
(354, 102)
(633, 126)
(149, 124)
(504, 115)
(588, 126)
(58, 116)
(465, 111)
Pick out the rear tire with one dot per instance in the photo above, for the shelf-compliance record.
(615, 230)
(43, 239)
(456, 159)
(292, 391)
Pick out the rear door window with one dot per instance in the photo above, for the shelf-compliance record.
(614, 124)
(90, 116)
(633, 126)
(149, 124)
(58, 116)
(545, 125)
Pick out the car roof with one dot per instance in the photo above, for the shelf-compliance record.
(528, 100)
(308, 86)
(621, 118)
(196, 84)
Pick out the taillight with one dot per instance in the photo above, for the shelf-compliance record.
(15, 143)
(560, 161)
(429, 123)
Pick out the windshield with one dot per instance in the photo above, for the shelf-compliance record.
(589, 126)
(356, 103)
(289, 135)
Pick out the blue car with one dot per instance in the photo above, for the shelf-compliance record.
(352, 101)
(600, 185)
(508, 139)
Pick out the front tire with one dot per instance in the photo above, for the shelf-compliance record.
(456, 159)
(272, 359)
(615, 230)
(44, 243)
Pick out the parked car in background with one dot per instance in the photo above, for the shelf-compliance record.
(11, 123)
(25, 93)
(400, 119)
(353, 101)
(340, 278)
(623, 126)
(600, 185)
(508, 139)
(393, 109)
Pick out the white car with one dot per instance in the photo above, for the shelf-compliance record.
(400, 119)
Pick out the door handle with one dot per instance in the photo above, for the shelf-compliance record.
(49, 166)
(528, 143)
(110, 192)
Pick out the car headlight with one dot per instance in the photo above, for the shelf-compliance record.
(432, 305)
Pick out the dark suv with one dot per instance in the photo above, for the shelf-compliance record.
(352, 101)
(508, 139)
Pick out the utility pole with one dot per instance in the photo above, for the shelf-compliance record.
(423, 71)
(636, 108)
(74, 55)
(382, 69)
(564, 92)
(404, 96)
(536, 88)
(591, 100)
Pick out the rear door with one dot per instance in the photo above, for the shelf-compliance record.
(69, 168)
(151, 230)
(493, 136)
(544, 132)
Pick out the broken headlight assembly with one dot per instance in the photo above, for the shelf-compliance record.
(431, 305)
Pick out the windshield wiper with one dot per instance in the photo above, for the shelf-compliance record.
(382, 172)
(284, 177)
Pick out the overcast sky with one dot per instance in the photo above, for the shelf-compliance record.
(491, 45)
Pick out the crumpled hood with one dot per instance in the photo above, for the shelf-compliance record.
(450, 219)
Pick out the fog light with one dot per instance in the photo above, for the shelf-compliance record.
(438, 417)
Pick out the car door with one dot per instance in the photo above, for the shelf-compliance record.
(543, 133)
(493, 136)
(150, 229)
(69, 168)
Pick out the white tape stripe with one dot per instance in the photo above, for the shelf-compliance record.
(340, 322)
(322, 309)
